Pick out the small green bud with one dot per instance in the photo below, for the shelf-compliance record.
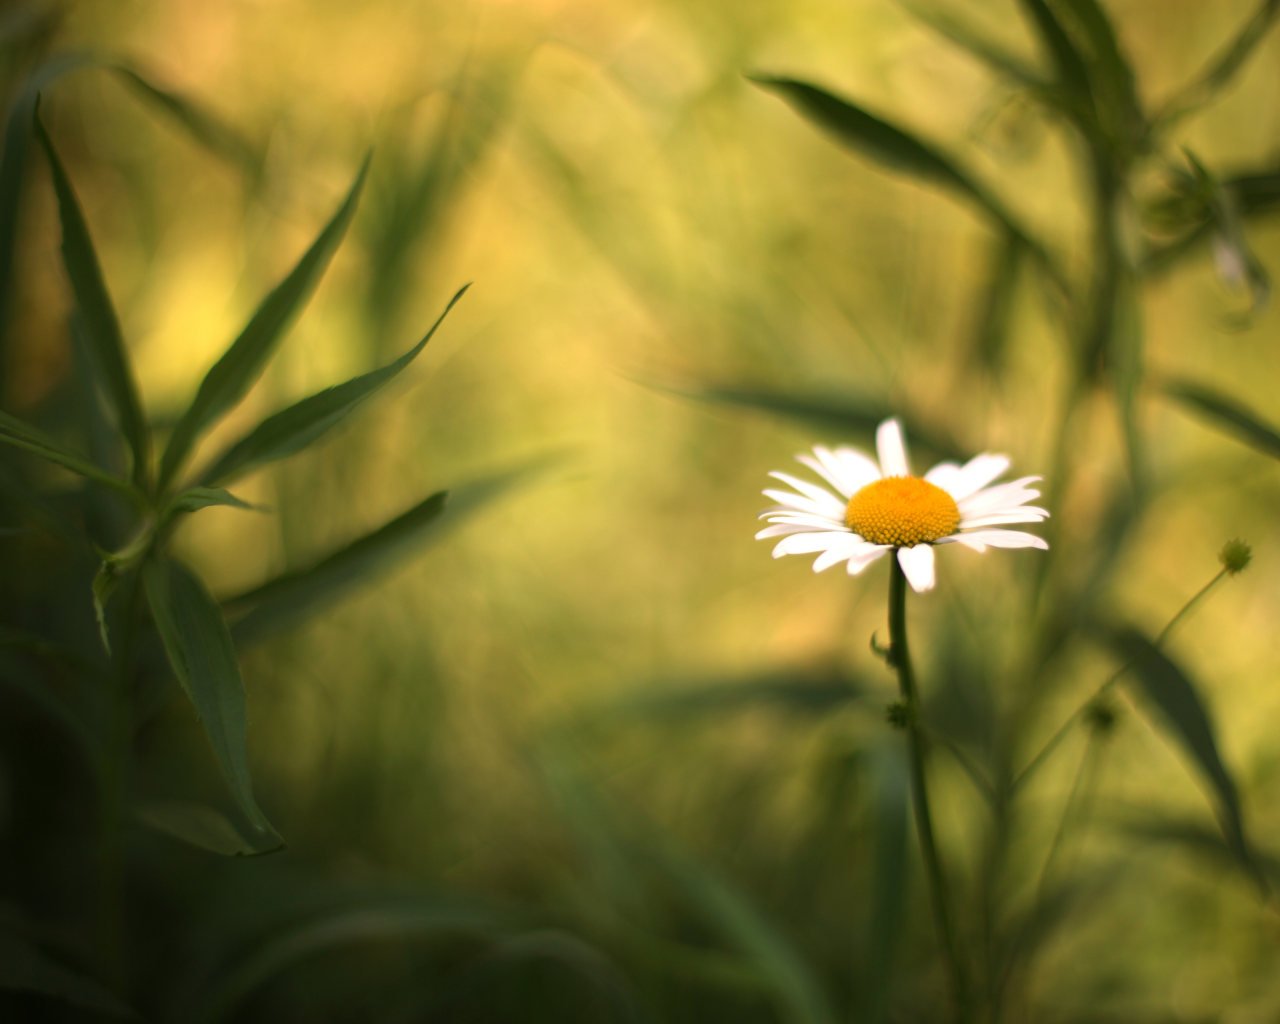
(899, 713)
(1100, 715)
(884, 653)
(1235, 556)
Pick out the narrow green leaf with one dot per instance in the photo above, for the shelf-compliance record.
(1172, 691)
(800, 998)
(205, 127)
(287, 599)
(22, 435)
(1227, 415)
(241, 364)
(1222, 69)
(101, 326)
(290, 431)
(1070, 69)
(1125, 354)
(25, 968)
(405, 919)
(991, 54)
(196, 824)
(204, 660)
(1198, 838)
(196, 498)
(851, 417)
(995, 309)
(1111, 73)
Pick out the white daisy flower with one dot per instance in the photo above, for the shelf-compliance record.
(884, 508)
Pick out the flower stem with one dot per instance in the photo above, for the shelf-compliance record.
(900, 656)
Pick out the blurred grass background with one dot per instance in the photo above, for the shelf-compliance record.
(641, 223)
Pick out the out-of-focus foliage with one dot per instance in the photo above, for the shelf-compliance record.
(566, 744)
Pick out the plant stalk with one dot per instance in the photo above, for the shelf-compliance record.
(900, 657)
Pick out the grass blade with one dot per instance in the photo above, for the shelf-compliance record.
(241, 364)
(197, 825)
(1175, 695)
(1112, 75)
(204, 660)
(290, 431)
(1218, 75)
(1227, 415)
(1070, 69)
(101, 325)
(287, 599)
(17, 434)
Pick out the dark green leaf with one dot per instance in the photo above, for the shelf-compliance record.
(1069, 65)
(796, 989)
(22, 435)
(847, 417)
(208, 130)
(198, 825)
(1223, 68)
(290, 431)
(1201, 839)
(405, 919)
(1126, 361)
(1110, 72)
(995, 311)
(24, 968)
(101, 326)
(284, 601)
(204, 660)
(196, 498)
(1227, 415)
(1175, 695)
(240, 365)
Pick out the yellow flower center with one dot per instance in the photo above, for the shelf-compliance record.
(902, 511)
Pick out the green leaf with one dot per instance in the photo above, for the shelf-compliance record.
(207, 129)
(290, 431)
(102, 327)
(1126, 363)
(405, 919)
(287, 599)
(994, 56)
(240, 365)
(1070, 69)
(995, 309)
(1227, 415)
(17, 434)
(796, 989)
(1222, 69)
(24, 968)
(1170, 689)
(196, 498)
(204, 660)
(198, 825)
(1110, 73)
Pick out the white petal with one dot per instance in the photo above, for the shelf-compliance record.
(806, 519)
(837, 552)
(1003, 539)
(783, 529)
(859, 466)
(973, 475)
(1017, 515)
(1002, 496)
(917, 565)
(942, 475)
(812, 491)
(800, 504)
(967, 539)
(865, 556)
(848, 471)
(808, 543)
(891, 449)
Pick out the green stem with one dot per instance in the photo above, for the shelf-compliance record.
(110, 928)
(900, 654)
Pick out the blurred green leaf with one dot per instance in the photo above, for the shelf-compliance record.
(241, 364)
(196, 824)
(22, 435)
(1125, 357)
(207, 129)
(1222, 69)
(407, 918)
(24, 968)
(888, 897)
(102, 328)
(1175, 695)
(196, 498)
(851, 417)
(1197, 838)
(1250, 195)
(1070, 69)
(799, 996)
(991, 54)
(1226, 414)
(995, 303)
(204, 660)
(1111, 75)
(290, 431)
(284, 601)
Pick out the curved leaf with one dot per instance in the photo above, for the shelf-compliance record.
(290, 431)
(1227, 415)
(101, 326)
(204, 660)
(17, 434)
(233, 374)
(1175, 695)
(991, 54)
(196, 824)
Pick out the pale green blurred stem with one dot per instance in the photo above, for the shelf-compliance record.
(1065, 728)
(109, 940)
(900, 656)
